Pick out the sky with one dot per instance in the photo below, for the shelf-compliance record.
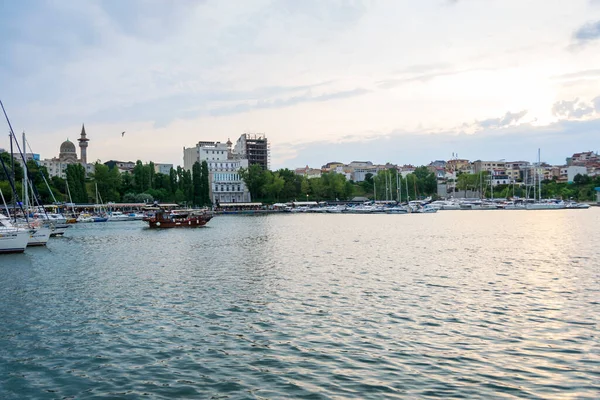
(395, 81)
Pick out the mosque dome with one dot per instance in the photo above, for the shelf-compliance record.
(67, 147)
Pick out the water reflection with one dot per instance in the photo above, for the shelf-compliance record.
(471, 304)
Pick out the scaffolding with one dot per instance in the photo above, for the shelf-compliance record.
(258, 149)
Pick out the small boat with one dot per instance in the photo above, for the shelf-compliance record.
(577, 206)
(426, 209)
(178, 218)
(118, 216)
(396, 210)
(135, 216)
(53, 218)
(85, 218)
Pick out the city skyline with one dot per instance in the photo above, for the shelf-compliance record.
(325, 81)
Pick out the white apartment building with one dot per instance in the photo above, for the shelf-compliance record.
(161, 168)
(205, 151)
(573, 170)
(226, 184)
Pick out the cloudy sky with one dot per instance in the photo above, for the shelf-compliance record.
(327, 80)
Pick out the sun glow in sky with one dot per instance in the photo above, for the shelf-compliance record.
(385, 80)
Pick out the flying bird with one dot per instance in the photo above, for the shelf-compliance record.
(122, 134)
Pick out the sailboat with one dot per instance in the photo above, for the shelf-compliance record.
(12, 238)
(538, 204)
(55, 221)
(38, 234)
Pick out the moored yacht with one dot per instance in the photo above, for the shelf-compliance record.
(12, 239)
(118, 216)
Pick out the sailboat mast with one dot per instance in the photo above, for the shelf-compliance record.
(374, 189)
(5, 205)
(398, 188)
(25, 182)
(539, 178)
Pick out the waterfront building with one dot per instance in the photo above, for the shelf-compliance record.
(205, 151)
(488, 166)
(226, 184)
(28, 156)
(573, 170)
(331, 166)
(122, 166)
(584, 158)
(308, 172)
(254, 147)
(161, 168)
(68, 155)
(459, 165)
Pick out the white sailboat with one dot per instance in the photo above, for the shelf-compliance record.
(12, 239)
(38, 234)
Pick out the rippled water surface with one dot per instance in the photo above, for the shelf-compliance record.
(472, 304)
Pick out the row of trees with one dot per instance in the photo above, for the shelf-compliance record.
(285, 185)
(106, 184)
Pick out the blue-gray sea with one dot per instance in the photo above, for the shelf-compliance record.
(458, 304)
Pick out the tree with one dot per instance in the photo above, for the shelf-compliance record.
(304, 187)
(197, 184)
(107, 181)
(18, 174)
(76, 181)
(273, 185)
(205, 193)
(254, 179)
(173, 180)
(141, 177)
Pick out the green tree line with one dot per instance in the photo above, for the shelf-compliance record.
(142, 184)
(285, 185)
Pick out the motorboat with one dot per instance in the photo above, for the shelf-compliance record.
(85, 218)
(396, 210)
(56, 223)
(116, 216)
(426, 209)
(53, 218)
(577, 206)
(135, 216)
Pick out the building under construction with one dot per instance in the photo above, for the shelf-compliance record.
(255, 148)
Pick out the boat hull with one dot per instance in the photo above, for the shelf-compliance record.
(14, 241)
(39, 237)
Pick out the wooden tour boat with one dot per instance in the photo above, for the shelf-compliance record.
(177, 218)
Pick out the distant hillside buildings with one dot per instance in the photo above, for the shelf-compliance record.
(502, 172)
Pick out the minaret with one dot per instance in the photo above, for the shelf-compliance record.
(83, 144)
